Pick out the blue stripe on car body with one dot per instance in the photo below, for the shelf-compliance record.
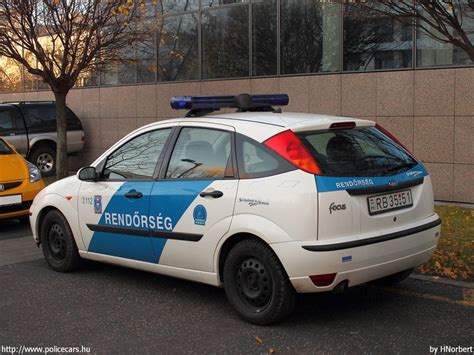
(331, 183)
(162, 201)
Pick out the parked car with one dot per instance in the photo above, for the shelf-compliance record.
(31, 127)
(265, 203)
(20, 182)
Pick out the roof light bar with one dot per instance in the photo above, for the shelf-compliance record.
(243, 102)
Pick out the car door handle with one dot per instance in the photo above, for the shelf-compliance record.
(134, 194)
(213, 194)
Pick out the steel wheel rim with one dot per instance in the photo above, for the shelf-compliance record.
(45, 162)
(254, 284)
(57, 242)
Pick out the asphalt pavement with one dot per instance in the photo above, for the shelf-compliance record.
(110, 309)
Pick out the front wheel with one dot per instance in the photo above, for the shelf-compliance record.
(256, 283)
(58, 244)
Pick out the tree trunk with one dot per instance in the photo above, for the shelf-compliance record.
(62, 170)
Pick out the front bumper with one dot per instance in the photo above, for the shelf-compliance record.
(28, 192)
(358, 264)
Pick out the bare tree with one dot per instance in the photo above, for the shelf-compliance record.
(64, 39)
(444, 21)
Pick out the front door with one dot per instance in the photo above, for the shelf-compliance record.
(194, 197)
(114, 211)
(13, 129)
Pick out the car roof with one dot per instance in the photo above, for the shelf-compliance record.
(262, 125)
(285, 119)
(296, 121)
(25, 103)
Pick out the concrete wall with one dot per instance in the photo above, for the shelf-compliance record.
(431, 111)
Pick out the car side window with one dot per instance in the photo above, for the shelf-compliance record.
(201, 153)
(255, 160)
(137, 158)
(41, 118)
(8, 121)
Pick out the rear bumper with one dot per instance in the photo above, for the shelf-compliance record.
(362, 261)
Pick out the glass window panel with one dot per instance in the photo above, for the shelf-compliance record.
(137, 158)
(200, 153)
(433, 52)
(29, 80)
(264, 38)
(10, 122)
(356, 152)
(373, 40)
(122, 71)
(257, 160)
(109, 74)
(10, 75)
(178, 48)
(166, 7)
(211, 3)
(225, 42)
(310, 36)
(86, 78)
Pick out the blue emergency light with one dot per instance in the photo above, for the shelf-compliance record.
(243, 102)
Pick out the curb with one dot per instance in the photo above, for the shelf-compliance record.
(443, 280)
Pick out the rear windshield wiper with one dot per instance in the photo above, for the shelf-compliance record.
(407, 165)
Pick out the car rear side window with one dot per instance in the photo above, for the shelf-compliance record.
(41, 119)
(255, 160)
(201, 153)
(356, 152)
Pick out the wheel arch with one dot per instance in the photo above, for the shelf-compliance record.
(41, 215)
(43, 141)
(227, 246)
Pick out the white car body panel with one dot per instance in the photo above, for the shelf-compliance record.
(288, 211)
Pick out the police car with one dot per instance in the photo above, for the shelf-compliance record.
(264, 203)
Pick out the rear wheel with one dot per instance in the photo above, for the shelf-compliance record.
(256, 283)
(393, 279)
(58, 244)
(44, 157)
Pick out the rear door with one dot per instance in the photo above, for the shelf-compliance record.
(368, 184)
(193, 201)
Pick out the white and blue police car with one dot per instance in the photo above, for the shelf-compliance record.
(264, 203)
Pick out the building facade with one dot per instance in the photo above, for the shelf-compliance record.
(330, 58)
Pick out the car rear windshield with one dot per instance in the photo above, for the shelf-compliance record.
(356, 152)
(4, 148)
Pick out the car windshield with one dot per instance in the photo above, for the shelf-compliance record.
(357, 152)
(4, 148)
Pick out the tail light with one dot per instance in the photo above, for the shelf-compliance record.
(290, 147)
(392, 137)
(345, 125)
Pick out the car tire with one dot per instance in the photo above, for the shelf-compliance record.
(44, 157)
(256, 283)
(58, 244)
(392, 280)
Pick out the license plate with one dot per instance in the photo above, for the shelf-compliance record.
(389, 202)
(10, 200)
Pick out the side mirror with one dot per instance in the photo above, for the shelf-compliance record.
(88, 174)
